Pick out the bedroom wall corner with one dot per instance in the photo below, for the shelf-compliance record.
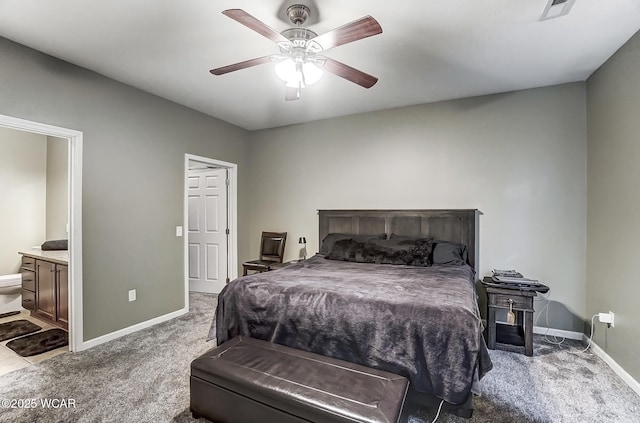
(613, 100)
(519, 157)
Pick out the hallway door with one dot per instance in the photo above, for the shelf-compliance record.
(208, 229)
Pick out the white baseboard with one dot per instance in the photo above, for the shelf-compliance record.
(131, 329)
(541, 330)
(633, 384)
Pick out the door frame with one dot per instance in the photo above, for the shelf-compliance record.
(76, 340)
(232, 214)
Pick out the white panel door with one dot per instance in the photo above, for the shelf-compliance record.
(207, 230)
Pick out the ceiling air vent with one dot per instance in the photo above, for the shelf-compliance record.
(556, 8)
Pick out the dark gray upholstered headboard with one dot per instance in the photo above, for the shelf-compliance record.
(444, 225)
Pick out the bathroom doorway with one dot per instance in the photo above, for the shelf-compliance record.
(65, 218)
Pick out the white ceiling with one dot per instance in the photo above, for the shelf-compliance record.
(429, 50)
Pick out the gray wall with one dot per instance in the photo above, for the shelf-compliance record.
(57, 188)
(518, 157)
(23, 164)
(133, 173)
(613, 101)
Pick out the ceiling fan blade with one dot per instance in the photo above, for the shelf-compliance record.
(292, 93)
(349, 73)
(258, 26)
(353, 31)
(241, 65)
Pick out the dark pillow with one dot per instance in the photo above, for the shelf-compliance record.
(443, 252)
(58, 244)
(330, 239)
(414, 252)
(450, 253)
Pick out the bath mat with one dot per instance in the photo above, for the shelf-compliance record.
(17, 328)
(39, 343)
(11, 313)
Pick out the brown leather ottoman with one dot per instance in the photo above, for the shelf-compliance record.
(246, 380)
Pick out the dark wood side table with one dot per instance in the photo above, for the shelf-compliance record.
(518, 338)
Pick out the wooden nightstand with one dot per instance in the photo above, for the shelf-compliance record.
(518, 338)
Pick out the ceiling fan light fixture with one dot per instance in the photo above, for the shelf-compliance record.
(286, 70)
(312, 73)
(300, 63)
(289, 73)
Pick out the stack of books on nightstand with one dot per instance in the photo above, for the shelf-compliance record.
(512, 276)
(510, 279)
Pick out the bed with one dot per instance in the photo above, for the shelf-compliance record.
(420, 322)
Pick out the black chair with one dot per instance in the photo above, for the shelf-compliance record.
(271, 252)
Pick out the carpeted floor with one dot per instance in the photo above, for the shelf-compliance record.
(144, 377)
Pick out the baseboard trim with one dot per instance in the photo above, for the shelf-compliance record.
(131, 329)
(629, 380)
(541, 330)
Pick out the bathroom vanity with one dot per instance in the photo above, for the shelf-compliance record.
(45, 285)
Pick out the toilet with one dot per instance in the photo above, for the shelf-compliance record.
(10, 293)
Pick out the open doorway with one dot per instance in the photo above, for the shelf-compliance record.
(210, 222)
(69, 267)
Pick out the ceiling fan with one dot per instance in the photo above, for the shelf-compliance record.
(300, 63)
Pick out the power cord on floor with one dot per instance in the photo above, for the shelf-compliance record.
(438, 413)
(557, 340)
(590, 335)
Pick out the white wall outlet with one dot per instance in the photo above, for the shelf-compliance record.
(178, 230)
(608, 318)
(132, 295)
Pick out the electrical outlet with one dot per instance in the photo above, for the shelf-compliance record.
(608, 318)
(132, 295)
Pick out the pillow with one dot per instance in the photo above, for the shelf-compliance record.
(443, 252)
(58, 244)
(330, 239)
(450, 253)
(414, 252)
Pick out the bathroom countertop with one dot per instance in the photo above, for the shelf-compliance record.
(56, 256)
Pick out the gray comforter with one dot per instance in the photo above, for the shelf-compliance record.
(419, 322)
